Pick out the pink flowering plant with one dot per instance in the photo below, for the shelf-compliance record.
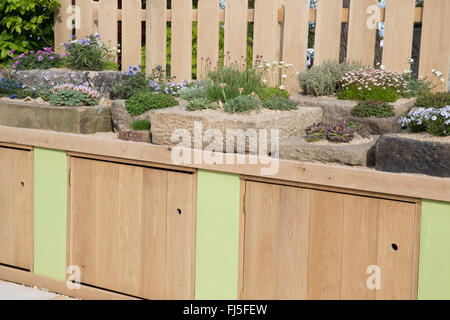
(373, 84)
(74, 96)
(41, 59)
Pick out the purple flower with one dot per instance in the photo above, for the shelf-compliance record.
(51, 57)
(40, 58)
(11, 52)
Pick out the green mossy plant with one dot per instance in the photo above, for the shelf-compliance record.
(280, 103)
(71, 98)
(140, 125)
(375, 93)
(373, 108)
(266, 93)
(144, 101)
(433, 100)
(241, 104)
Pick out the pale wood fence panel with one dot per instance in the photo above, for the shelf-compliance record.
(280, 31)
(435, 45)
(181, 50)
(156, 34)
(235, 42)
(131, 33)
(328, 31)
(398, 34)
(63, 28)
(266, 37)
(361, 38)
(207, 37)
(107, 21)
(85, 27)
(295, 33)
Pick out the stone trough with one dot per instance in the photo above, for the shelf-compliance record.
(414, 153)
(33, 115)
(217, 124)
(359, 153)
(335, 110)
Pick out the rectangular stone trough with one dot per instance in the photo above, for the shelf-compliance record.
(84, 120)
(335, 110)
(212, 126)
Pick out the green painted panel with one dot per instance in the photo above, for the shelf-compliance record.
(217, 245)
(50, 206)
(434, 259)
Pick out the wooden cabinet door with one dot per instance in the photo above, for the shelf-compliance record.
(311, 244)
(132, 228)
(276, 242)
(16, 207)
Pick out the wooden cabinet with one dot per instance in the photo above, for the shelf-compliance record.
(132, 228)
(16, 207)
(302, 243)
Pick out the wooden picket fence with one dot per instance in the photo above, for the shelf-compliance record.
(280, 31)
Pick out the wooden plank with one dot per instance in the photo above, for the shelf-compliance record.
(266, 38)
(207, 37)
(63, 25)
(154, 235)
(16, 208)
(396, 227)
(181, 51)
(359, 246)
(156, 35)
(328, 31)
(235, 43)
(293, 243)
(325, 248)
(295, 33)
(179, 242)
(398, 34)
(107, 22)
(361, 33)
(368, 180)
(261, 241)
(435, 44)
(131, 33)
(85, 28)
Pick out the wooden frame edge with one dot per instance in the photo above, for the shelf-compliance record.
(416, 252)
(58, 286)
(240, 293)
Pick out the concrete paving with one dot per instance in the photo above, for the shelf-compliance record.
(13, 291)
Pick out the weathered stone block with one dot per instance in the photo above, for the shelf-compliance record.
(289, 123)
(355, 154)
(399, 153)
(335, 110)
(101, 81)
(138, 136)
(84, 120)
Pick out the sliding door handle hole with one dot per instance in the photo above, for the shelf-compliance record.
(394, 246)
(179, 211)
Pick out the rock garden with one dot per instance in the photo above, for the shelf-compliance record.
(342, 112)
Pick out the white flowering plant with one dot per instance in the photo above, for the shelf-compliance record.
(435, 121)
(373, 83)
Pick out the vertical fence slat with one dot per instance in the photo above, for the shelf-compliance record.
(266, 38)
(86, 20)
(107, 21)
(295, 33)
(236, 12)
(156, 34)
(63, 27)
(328, 31)
(181, 49)
(435, 43)
(207, 36)
(398, 34)
(361, 36)
(131, 33)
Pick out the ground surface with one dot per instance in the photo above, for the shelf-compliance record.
(12, 291)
